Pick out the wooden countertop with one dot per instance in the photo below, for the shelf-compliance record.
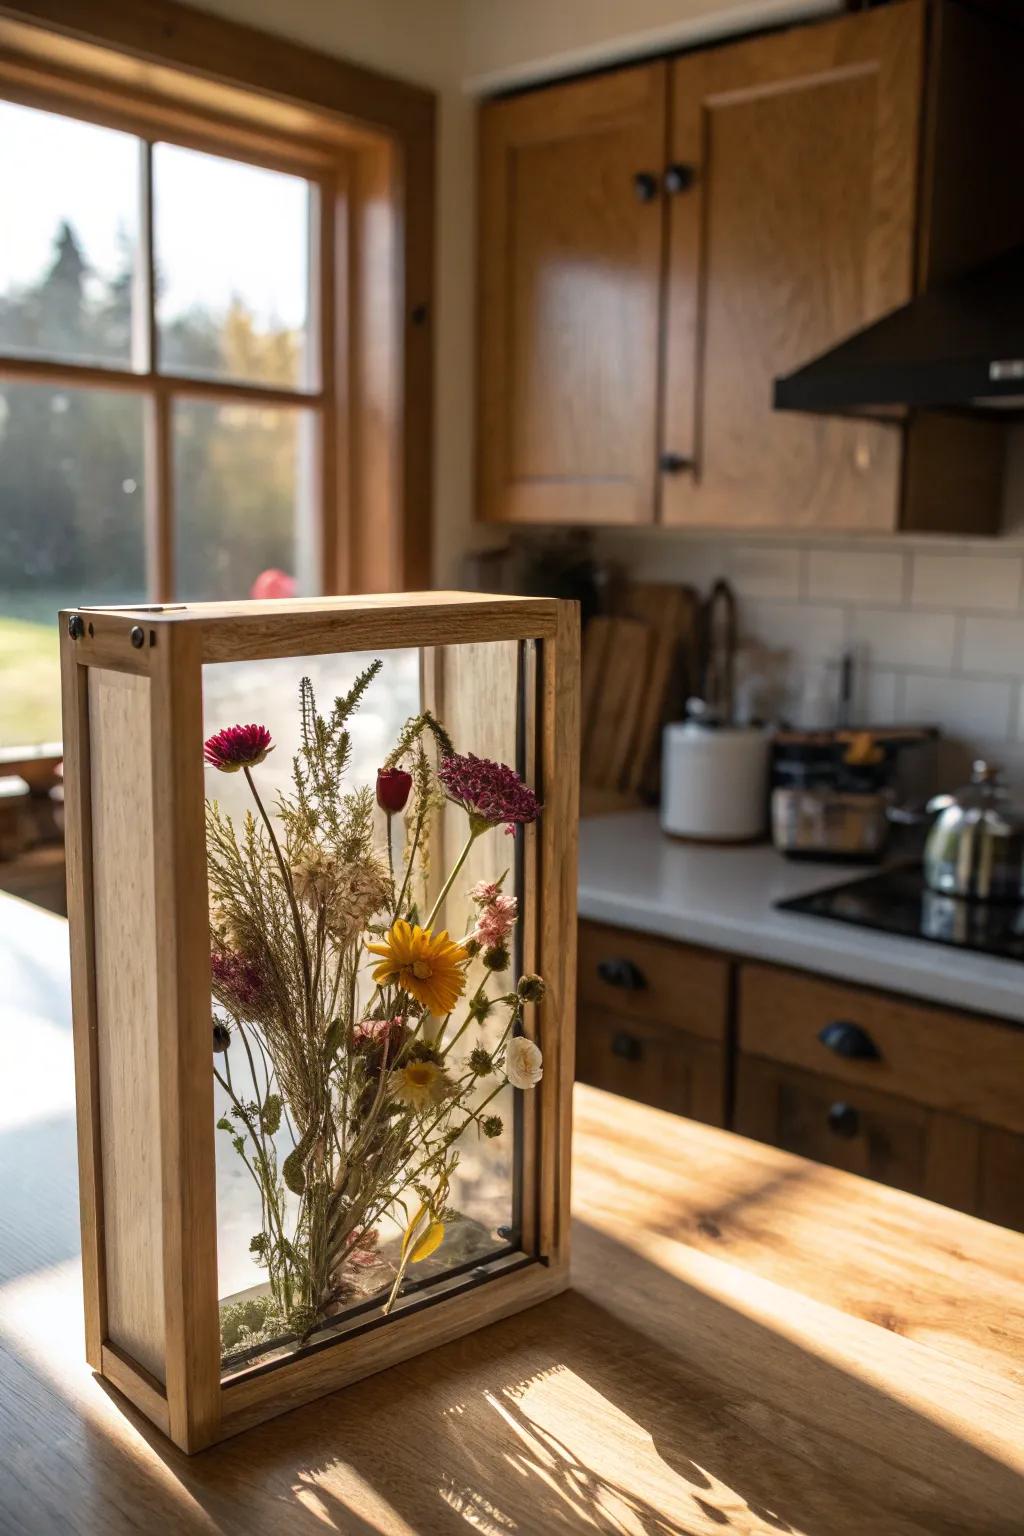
(753, 1343)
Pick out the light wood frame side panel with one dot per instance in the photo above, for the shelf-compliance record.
(559, 843)
(78, 849)
(182, 961)
(126, 929)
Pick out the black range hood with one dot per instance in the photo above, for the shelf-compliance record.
(960, 347)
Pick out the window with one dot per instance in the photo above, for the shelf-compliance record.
(160, 402)
(215, 326)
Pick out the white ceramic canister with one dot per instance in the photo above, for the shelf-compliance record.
(714, 782)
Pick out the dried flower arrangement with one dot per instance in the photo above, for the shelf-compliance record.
(342, 1005)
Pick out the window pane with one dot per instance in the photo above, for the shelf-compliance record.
(243, 520)
(232, 254)
(72, 530)
(69, 192)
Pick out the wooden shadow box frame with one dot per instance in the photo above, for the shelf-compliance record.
(140, 945)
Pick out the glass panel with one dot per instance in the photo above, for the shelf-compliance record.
(244, 521)
(70, 194)
(367, 1135)
(232, 257)
(72, 531)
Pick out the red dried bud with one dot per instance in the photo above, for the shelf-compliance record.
(393, 787)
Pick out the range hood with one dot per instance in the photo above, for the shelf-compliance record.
(959, 346)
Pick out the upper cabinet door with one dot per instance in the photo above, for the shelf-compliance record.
(792, 227)
(571, 215)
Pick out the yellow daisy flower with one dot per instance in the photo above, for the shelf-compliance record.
(420, 1086)
(427, 965)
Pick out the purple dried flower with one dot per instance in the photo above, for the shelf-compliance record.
(489, 792)
(237, 980)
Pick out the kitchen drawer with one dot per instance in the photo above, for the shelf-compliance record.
(654, 979)
(966, 1065)
(825, 1119)
(655, 1063)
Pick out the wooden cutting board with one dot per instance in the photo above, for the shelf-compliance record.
(673, 616)
(616, 664)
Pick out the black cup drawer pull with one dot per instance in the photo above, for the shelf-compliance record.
(627, 1046)
(645, 186)
(843, 1120)
(622, 974)
(849, 1040)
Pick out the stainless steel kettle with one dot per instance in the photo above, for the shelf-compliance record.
(975, 848)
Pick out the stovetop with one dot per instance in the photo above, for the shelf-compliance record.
(896, 900)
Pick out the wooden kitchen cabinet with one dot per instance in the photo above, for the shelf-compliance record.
(569, 293)
(653, 1021)
(928, 1099)
(656, 1064)
(793, 225)
(658, 243)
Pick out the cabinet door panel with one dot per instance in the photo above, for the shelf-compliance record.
(797, 229)
(653, 1063)
(570, 272)
(821, 1118)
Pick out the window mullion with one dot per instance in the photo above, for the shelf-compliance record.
(159, 487)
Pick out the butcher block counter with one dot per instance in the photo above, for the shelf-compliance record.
(752, 1343)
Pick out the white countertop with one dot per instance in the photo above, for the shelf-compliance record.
(633, 876)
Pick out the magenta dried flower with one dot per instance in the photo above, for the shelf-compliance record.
(237, 746)
(237, 980)
(490, 793)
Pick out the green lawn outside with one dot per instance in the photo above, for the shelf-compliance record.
(29, 683)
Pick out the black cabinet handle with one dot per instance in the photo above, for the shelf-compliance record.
(627, 1046)
(680, 177)
(849, 1040)
(645, 185)
(843, 1120)
(623, 974)
(675, 463)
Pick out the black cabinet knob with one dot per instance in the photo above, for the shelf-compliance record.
(645, 185)
(680, 177)
(849, 1040)
(627, 1046)
(843, 1120)
(623, 974)
(675, 463)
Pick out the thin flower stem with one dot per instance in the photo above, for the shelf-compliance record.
(410, 861)
(300, 933)
(463, 856)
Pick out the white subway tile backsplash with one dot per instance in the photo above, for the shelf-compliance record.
(855, 575)
(805, 629)
(994, 645)
(902, 638)
(966, 581)
(936, 626)
(962, 706)
(758, 570)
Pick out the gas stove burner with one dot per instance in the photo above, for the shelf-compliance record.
(897, 901)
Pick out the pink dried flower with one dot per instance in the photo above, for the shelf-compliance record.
(237, 746)
(371, 1034)
(364, 1247)
(496, 921)
(489, 792)
(484, 892)
(237, 980)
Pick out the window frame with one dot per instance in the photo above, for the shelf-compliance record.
(367, 143)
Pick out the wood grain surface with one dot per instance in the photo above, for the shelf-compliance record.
(569, 294)
(752, 1344)
(798, 229)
